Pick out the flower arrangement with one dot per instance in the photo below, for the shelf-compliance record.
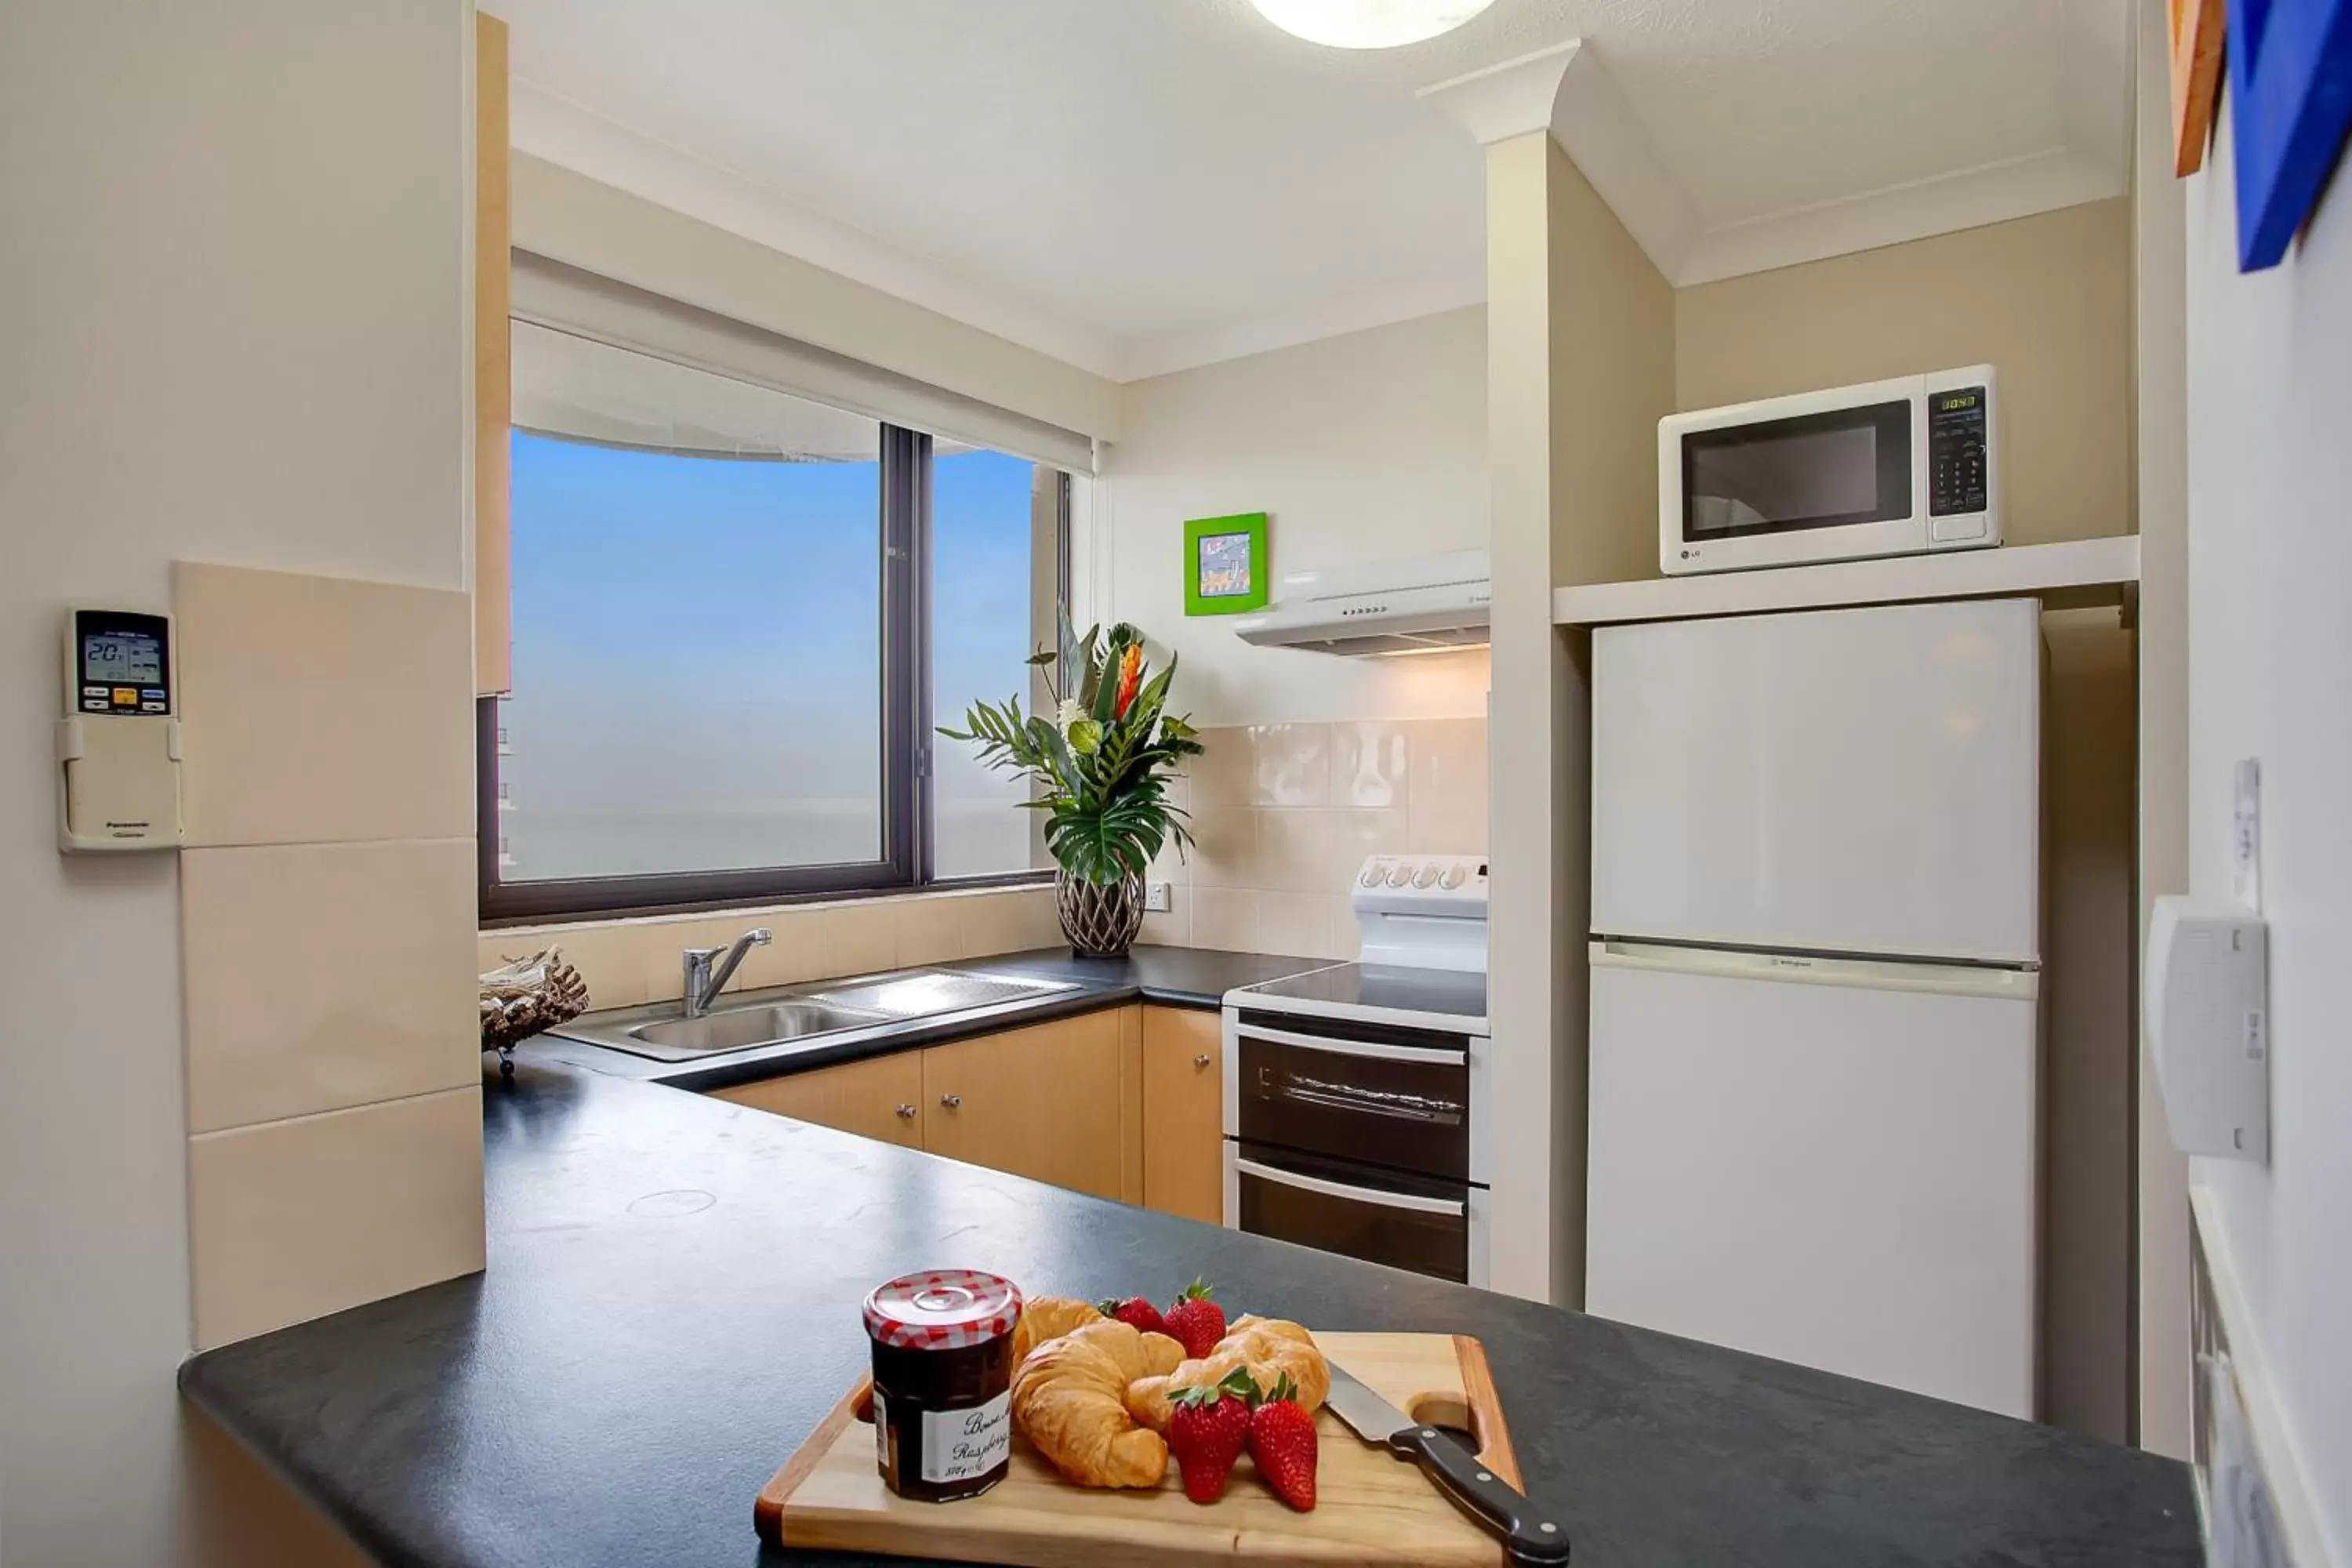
(1102, 763)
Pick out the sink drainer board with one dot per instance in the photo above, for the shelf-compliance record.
(1371, 1508)
(925, 992)
(746, 1021)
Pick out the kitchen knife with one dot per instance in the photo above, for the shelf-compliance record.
(1528, 1535)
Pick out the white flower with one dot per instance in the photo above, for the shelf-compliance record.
(1069, 713)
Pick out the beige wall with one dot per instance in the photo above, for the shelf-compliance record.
(2160, 365)
(2045, 299)
(1363, 447)
(235, 319)
(1284, 814)
(1579, 357)
(2088, 1087)
(1614, 370)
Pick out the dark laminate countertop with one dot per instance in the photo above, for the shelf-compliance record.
(671, 1305)
(1169, 977)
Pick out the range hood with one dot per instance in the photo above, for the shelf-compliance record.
(1427, 604)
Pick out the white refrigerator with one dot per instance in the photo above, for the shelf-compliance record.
(1815, 953)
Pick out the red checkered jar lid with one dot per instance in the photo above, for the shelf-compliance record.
(943, 1309)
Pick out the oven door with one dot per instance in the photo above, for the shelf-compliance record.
(1414, 1222)
(1361, 1092)
(1823, 477)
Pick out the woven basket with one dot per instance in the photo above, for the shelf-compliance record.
(1098, 919)
(527, 996)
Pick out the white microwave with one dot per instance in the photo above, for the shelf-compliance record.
(1888, 467)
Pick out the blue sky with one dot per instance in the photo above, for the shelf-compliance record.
(703, 634)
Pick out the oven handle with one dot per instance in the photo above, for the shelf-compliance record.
(1424, 1054)
(1453, 1207)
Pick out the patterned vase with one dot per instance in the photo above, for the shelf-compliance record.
(1100, 919)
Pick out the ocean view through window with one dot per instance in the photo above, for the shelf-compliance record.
(734, 614)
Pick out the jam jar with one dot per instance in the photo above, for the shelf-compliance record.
(944, 1381)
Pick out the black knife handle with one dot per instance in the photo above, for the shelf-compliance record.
(1531, 1536)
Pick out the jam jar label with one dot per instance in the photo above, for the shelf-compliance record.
(881, 1432)
(962, 1444)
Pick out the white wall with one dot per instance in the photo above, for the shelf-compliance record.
(1360, 448)
(235, 318)
(2270, 646)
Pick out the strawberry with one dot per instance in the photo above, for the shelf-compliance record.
(1282, 1441)
(1194, 1322)
(1136, 1313)
(1208, 1425)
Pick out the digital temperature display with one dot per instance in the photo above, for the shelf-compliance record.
(119, 661)
(126, 659)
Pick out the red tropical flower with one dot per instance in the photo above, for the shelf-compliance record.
(1130, 676)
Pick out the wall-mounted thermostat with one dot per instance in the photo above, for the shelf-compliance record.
(2209, 1027)
(119, 741)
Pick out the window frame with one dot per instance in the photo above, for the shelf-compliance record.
(909, 734)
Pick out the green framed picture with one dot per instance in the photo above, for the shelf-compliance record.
(1226, 564)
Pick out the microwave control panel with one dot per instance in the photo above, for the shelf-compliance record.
(1956, 451)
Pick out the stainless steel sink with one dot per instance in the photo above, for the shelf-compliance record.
(752, 1019)
(739, 1028)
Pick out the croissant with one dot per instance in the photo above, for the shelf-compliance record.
(1070, 1401)
(1049, 1318)
(1266, 1348)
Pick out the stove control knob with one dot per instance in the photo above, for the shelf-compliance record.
(1454, 877)
(1400, 876)
(1425, 877)
(1370, 878)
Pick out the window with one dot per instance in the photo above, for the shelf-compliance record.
(738, 617)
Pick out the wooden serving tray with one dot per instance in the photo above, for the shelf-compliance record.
(1371, 1508)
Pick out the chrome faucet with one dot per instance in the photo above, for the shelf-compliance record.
(705, 978)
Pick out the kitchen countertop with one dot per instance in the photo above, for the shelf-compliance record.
(1168, 977)
(671, 1306)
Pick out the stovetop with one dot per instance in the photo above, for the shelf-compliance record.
(1381, 992)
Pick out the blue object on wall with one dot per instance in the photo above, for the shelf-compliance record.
(2290, 105)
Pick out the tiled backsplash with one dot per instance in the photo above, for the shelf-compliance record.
(628, 961)
(1285, 812)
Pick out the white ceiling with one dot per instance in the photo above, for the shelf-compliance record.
(1137, 185)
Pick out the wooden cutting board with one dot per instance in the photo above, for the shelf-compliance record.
(1371, 1507)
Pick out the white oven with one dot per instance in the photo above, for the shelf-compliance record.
(1356, 1116)
(1887, 468)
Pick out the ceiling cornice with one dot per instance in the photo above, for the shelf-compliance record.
(1566, 93)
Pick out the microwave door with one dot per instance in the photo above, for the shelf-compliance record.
(1839, 468)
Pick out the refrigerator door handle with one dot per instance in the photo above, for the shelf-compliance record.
(1942, 979)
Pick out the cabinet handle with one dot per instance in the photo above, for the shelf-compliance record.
(905, 1113)
(952, 1101)
(1204, 1060)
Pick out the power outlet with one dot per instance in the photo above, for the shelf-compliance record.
(1159, 898)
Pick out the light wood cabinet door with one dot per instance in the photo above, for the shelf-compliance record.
(881, 1097)
(1041, 1102)
(1183, 1113)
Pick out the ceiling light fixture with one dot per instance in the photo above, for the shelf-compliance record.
(1369, 24)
